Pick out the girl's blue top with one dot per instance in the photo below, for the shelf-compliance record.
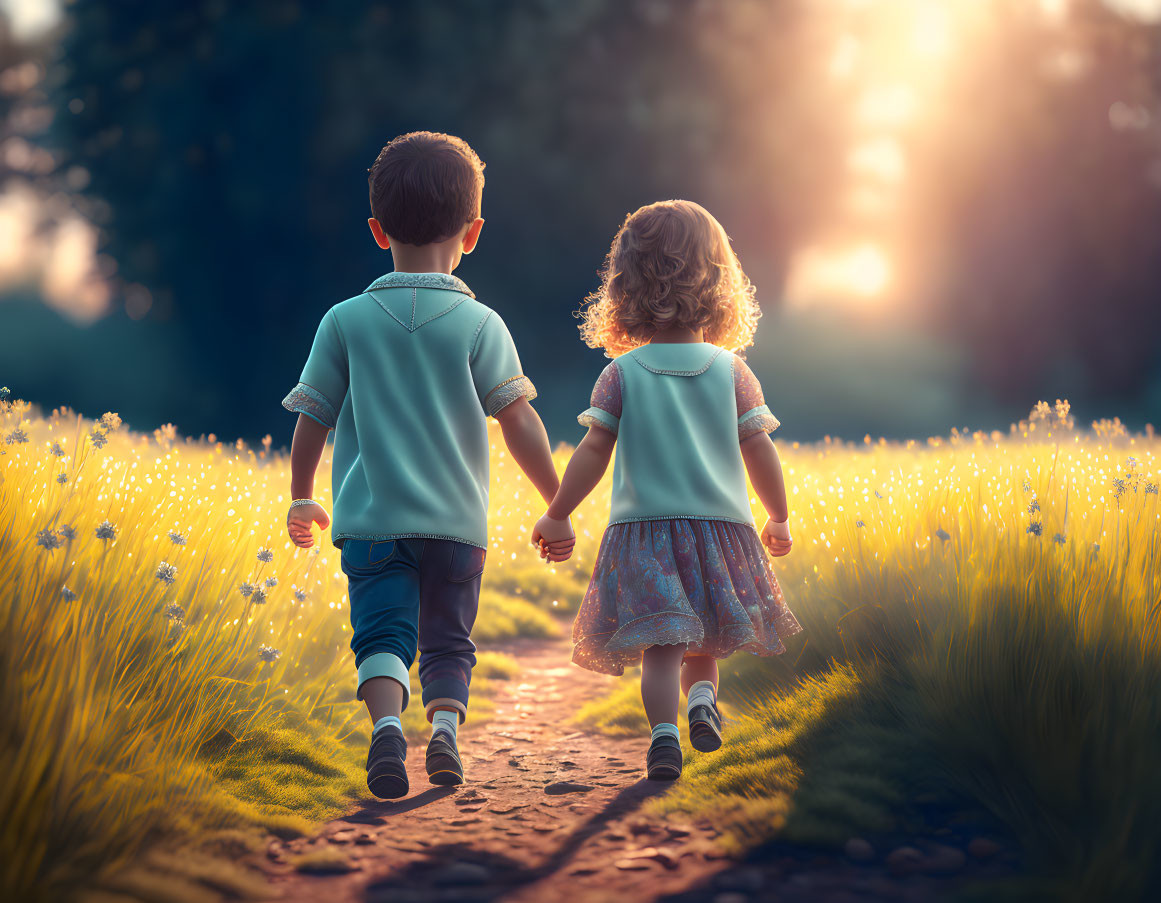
(679, 412)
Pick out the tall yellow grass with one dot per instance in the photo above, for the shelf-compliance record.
(981, 622)
(169, 660)
(153, 695)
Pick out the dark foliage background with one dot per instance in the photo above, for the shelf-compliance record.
(227, 147)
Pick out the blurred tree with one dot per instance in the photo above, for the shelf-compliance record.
(1042, 219)
(232, 140)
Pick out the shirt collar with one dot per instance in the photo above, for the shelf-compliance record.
(444, 281)
(677, 358)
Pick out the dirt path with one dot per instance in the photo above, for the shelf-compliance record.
(550, 813)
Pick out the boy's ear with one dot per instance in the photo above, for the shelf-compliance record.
(472, 235)
(381, 238)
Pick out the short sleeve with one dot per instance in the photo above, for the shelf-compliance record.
(605, 404)
(753, 415)
(323, 385)
(495, 367)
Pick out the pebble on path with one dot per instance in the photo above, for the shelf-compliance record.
(903, 860)
(859, 850)
(561, 787)
(983, 847)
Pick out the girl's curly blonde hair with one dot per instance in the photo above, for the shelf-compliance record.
(670, 264)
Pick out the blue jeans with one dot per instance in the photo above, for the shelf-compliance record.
(415, 592)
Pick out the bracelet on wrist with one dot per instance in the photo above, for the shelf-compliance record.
(298, 503)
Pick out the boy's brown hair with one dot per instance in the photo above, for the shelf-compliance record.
(425, 187)
(671, 264)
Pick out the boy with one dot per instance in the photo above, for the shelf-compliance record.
(406, 374)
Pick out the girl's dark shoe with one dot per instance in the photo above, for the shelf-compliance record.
(705, 728)
(386, 771)
(663, 761)
(443, 760)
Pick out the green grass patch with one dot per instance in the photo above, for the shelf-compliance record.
(556, 588)
(619, 713)
(813, 766)
(503, 617)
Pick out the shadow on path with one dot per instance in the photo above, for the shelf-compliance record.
(376, 812)
(444, 865)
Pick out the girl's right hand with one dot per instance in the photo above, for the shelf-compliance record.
(554, 538)
(776, 537)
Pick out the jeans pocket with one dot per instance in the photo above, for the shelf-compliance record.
(361, 557)
(467, 563)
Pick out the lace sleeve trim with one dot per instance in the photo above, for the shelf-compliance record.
(599, 417)
(507, 392)
(758, 420)
(304, 399)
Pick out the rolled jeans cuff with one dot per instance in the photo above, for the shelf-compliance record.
(385, 664)
(446, 703)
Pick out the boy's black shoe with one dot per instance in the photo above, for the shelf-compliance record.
(443, 760)
(663, 761)
(705, 728)
(386, 771)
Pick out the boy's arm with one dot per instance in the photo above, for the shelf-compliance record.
(765, 470)
(306, 449)
(527, 441)
(585, 469)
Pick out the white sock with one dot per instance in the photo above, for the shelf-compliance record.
(444, 720)
(665, 730)
(701, 693)
(384, 722)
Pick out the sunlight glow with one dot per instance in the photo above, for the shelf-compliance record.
(30, 19)
(818, 276)
(887, 105)
(1141, 10)
(880, 158)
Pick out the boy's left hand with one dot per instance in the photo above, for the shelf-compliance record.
(554, 538)
(299, 520)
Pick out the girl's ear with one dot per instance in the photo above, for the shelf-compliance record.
(472, 235)
(381, 238)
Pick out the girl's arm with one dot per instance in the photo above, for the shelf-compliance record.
(585, 469)
(306, 448)
(765, 470)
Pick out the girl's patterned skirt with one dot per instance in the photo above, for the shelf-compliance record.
(707, 583)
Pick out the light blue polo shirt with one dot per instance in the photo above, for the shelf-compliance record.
(406, 375)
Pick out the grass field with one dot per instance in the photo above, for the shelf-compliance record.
(980, 615)
(981, 623)
(170, 665)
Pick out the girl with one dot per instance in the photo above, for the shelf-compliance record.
(680, 579)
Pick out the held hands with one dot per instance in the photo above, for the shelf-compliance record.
(554, 538)
(299, 520)
(776, 537)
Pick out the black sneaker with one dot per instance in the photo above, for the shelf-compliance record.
(386, 771)
(443, 760)
(705, 728)
(663, 761)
